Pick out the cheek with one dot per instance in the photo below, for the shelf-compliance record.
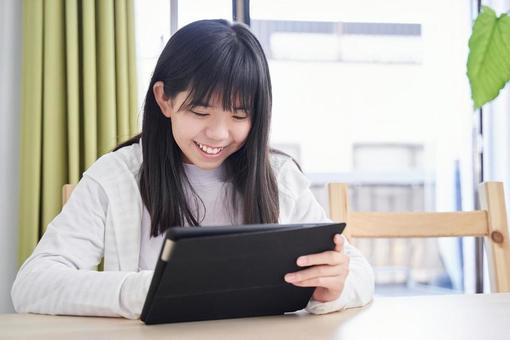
(184, 128)
(241, 132)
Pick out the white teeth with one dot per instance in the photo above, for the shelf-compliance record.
(209, 150)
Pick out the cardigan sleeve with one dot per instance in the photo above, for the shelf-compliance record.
(60, 276)
(298, 205)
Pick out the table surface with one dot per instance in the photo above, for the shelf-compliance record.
(420, 317)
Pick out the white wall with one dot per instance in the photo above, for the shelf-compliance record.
(10, 66)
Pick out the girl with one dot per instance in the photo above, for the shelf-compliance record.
(202, 159)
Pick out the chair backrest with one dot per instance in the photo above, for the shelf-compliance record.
(490, 222)
(67, 189)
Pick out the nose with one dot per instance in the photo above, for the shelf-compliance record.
(217, 130)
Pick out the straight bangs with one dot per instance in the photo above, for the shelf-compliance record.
(219, 79)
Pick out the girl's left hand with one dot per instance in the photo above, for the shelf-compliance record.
(328, 271)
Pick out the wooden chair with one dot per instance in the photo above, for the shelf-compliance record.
(67, 189)
(490, 222)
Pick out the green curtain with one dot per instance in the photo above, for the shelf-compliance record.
(78, 99)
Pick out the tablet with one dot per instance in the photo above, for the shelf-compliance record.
(209, 273)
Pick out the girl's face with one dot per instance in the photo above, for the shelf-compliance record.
(206, 134)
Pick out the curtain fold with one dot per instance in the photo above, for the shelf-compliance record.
(78, 99)
(73, 90)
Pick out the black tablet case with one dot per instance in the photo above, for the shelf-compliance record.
(231, 272)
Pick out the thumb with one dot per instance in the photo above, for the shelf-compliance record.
(339, 242)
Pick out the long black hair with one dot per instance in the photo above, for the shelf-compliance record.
(209, 58)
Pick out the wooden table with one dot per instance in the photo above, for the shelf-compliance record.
(436, 317)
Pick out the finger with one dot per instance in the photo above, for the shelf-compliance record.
(330, 257)
(339, 242)
(330, 282)
(313, 272)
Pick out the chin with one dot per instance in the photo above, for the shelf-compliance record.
(208, 165)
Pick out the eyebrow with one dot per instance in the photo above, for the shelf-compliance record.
(207, 105)
(200, 104)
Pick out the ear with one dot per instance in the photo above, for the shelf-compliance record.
(163, 101)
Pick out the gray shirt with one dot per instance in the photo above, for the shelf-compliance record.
(214, 207)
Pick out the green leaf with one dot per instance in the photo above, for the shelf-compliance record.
(488, 66)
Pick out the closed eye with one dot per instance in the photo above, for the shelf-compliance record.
(240, 114)
(200, 114)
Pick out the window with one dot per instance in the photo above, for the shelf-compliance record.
(376, 95)
(189, 11)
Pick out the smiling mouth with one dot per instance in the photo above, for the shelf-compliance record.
(209, 150)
